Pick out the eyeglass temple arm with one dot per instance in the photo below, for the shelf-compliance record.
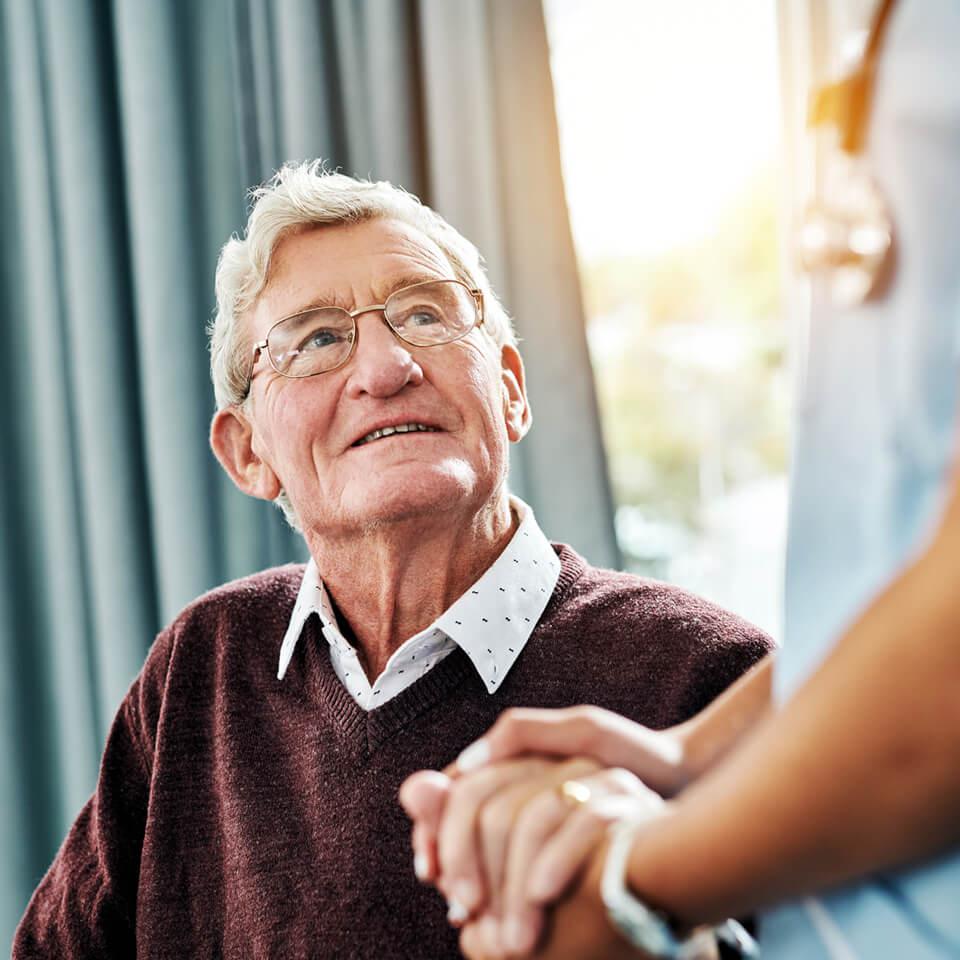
(255, 351)
(477, 295)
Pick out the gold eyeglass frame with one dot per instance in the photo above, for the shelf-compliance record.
(261, 346)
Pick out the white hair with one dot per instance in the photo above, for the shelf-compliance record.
(304, 195)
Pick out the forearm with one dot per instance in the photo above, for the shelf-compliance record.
(856, 774)
(709, 736)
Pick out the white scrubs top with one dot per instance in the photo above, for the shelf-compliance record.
(877, 429)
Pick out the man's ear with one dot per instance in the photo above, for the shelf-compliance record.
(231, 437)
(516, 409)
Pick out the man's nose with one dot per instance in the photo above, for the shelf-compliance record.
(382, 363)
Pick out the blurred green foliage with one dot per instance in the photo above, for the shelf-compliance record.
(688, 349)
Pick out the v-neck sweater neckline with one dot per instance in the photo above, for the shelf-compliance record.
(368, 730)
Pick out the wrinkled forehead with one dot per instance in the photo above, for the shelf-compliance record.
(347, 265)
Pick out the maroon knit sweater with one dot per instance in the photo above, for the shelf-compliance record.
(241, 816)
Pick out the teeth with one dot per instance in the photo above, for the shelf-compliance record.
(400, 428)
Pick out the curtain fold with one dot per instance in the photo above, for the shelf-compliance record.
(130, 132)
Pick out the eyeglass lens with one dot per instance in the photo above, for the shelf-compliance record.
(424, 314)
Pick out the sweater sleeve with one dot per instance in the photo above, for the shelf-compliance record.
(85, 906)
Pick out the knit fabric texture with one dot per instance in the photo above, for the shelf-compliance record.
(237, 815)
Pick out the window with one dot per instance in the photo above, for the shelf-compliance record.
(669, 122)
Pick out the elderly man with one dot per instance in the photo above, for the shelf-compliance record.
(368, 381)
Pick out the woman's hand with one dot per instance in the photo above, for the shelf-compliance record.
(656, 757)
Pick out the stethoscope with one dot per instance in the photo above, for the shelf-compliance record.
(846, 235)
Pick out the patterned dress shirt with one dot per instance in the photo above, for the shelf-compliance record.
(491, 622)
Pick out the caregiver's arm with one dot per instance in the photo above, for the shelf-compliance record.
(859, 772)
(666, 760)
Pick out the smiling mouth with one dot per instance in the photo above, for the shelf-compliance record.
(390, 431)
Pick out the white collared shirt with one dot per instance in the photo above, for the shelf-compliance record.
(491, 622)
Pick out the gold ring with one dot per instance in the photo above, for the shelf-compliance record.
(574, 792)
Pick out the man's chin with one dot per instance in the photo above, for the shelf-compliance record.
(380, 502)
(396, 496)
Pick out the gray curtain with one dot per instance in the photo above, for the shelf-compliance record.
(129, 132)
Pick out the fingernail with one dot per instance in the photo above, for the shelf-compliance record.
(476, 755)
(456, 911)
(421, 867)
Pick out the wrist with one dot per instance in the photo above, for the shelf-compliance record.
(652, 921)
(689, 761)
(581, 922)
(656, 871)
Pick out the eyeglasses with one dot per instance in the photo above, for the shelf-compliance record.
(323, 338)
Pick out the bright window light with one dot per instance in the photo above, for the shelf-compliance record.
(669, 125)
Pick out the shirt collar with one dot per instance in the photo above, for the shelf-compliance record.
(491, 622)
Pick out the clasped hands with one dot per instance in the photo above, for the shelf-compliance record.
(513, 833)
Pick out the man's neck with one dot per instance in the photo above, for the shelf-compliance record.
(392, 581)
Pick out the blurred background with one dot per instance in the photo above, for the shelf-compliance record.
(623, 165)
(670, 132)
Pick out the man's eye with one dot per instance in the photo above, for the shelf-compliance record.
(423, 318)
(320, 338)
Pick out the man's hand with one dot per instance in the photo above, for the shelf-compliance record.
(658, 758)
(576, 929)
(505, 841)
